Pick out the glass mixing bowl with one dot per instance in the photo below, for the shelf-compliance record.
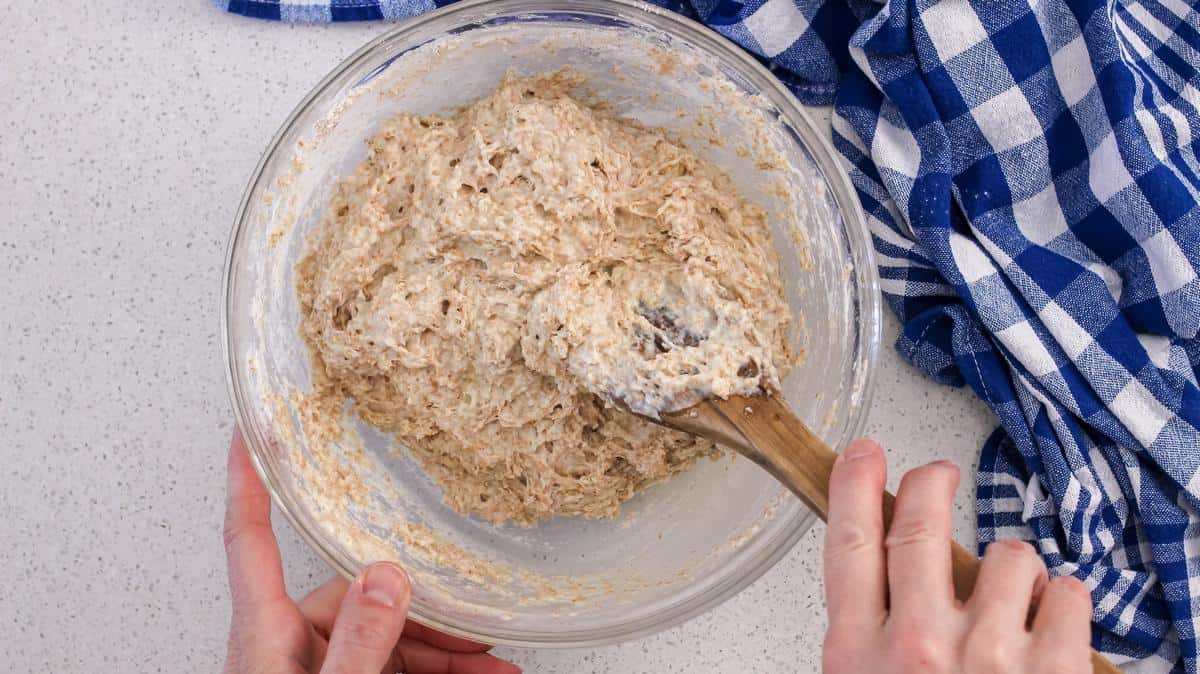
(678, 548)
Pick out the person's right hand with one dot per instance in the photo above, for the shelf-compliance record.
(891, 603)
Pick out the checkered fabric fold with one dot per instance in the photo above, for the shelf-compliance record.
(1030, 178)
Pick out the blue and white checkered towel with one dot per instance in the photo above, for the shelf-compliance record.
(1030, 177)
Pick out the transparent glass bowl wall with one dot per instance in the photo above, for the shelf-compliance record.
(678, 548)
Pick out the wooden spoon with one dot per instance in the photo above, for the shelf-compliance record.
(764, 429)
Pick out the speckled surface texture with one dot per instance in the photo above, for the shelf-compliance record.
(126, 137)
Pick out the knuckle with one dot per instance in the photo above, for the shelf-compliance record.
(920, 650)
(364, 635)
(911, 532)
(846, 539)
(230, 533)
(986, 652)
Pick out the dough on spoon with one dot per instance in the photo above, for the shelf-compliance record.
(475, 267)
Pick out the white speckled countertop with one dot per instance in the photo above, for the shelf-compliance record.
(127, 133)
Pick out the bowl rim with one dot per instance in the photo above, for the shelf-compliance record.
(823, 156)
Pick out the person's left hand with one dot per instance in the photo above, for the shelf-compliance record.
(340, 627)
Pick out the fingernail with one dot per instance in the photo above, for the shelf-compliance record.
(945, 463)
(385, 583)
(858, 450)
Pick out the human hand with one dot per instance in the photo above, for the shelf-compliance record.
(340, 627)
(891, 603)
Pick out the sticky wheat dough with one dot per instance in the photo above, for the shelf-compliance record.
(480, 277)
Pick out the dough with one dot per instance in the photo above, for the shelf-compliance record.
(480, 278)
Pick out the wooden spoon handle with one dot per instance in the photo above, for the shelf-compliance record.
(764, 429)
(776, 440)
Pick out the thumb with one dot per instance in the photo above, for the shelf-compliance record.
(369, 622)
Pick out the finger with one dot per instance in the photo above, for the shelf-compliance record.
(918, 541)
(1010, 575)
(255, 568)
(1064, 616)
(419, 632)
(855, 583)
(321, 605)
(369, 622)
(418, 657)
